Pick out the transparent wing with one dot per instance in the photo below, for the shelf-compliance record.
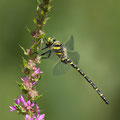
(60, 68)
(53, 57)
(70, 43)
(73, 56)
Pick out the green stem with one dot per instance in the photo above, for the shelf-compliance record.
(42, 10)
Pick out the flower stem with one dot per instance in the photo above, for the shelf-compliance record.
(32, 74)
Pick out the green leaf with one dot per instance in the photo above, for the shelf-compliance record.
(45, 21)
(23, 50)
(20, 109)
(42, 12)
(38, 1)
(38, 8)
(41, 76)
(24, 62)
(26, 70)
(37, 97)
(21, 85)
(28, 29)
(49, 8)
(35, 21)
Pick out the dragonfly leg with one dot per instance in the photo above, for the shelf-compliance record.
(49, 51)
(40, 49)
(35, 53)
(44, 48)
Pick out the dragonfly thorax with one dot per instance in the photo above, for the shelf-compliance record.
(59, 49)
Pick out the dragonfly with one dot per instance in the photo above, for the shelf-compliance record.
(63, 51)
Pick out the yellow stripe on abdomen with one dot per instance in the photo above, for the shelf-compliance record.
(59, 53)
(56, 48)
(71, 63)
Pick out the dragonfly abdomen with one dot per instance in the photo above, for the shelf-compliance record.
(87, 78)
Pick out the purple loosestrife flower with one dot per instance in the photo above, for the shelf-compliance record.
(37, 108)
(29, 105)
(13, 108)
(28, 85)
(28, 51)
(22, 100)
(37, 34)
(17, 101)
(34, 82)
(37, 59)
(33, 94)
(29, 108)
(31, 64)
(39, 117)
(27, 117)
(36, 71)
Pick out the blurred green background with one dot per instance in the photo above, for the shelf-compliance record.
(95, 25)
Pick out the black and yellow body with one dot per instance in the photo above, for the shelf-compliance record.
(61, 51)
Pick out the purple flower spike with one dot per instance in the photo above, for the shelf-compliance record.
(13, 108)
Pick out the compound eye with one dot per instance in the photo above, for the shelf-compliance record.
(54, 40)
(51, 41)
(48, 41)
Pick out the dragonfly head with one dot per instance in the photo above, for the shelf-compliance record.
(50, 41)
